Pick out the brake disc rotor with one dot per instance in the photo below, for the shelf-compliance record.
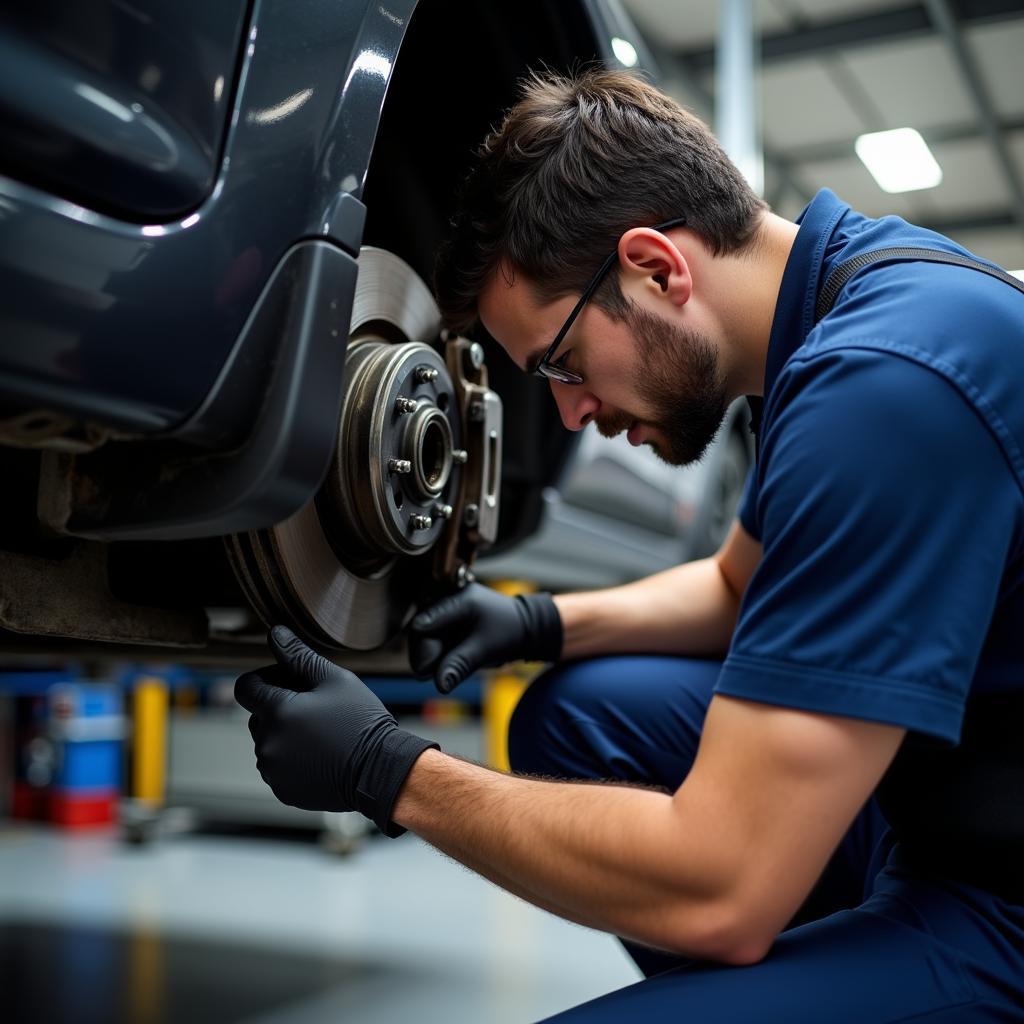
(344, 571)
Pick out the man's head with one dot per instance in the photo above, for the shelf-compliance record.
(580, 168)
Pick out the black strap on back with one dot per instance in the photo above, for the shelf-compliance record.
(957, 814)
(838, 278)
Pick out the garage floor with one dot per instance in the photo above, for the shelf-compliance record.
(213, 928)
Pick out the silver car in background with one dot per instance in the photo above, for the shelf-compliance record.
(620, 513)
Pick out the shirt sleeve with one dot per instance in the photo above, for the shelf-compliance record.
(887, 513)
(747, 510)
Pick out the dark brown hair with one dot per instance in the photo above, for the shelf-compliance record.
(576, 162)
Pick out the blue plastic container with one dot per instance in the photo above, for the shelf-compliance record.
(87, 726)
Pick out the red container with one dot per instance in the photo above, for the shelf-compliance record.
(77, 809)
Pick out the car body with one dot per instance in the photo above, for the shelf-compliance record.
(205, 211)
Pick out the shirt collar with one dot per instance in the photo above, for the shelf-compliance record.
(798, 293)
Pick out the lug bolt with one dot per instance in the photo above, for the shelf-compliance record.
(459, 455)
(426, 374)
(421, 522)
(403, 404)
(476, 412)
(464, 576)
(476, 355)
(444, 511)
(399, 466)
(471, 515)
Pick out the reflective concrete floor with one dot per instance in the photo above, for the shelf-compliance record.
(273, 930)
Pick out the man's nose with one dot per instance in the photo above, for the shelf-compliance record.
(576, 405)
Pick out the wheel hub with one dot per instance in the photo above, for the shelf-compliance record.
(386, 492)
(348, 568)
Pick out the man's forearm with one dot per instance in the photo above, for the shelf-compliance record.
(689, 609)
(605, 856)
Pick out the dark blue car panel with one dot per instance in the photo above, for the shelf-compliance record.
(160, 309)
(121, 107)
(129, 324)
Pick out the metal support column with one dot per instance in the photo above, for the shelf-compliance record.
(737, 123)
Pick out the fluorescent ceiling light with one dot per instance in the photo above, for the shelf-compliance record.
(625, 52)
(899, 160)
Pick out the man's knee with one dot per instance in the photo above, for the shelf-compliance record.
(536, 733)
(630, 718)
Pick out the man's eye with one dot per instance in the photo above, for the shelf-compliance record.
(560, 361)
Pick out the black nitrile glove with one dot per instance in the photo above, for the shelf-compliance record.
(324, 742)
(478, 627)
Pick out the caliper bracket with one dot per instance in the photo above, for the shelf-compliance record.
(479, 492)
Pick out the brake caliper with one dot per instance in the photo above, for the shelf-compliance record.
(477, 498)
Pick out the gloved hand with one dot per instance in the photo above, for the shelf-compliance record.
(479, 627)
(324, 742)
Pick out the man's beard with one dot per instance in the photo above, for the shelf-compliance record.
(679, 379)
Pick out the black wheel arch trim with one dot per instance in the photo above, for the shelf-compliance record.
(146, 491)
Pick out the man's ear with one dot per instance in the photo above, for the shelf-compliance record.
(655, 262)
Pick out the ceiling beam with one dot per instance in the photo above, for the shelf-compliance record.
(945, 18)
(984, 220)
(883, 26)
(842, 149)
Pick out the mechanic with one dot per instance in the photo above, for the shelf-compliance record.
(828, 824)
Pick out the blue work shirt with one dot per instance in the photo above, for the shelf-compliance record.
(887, 492)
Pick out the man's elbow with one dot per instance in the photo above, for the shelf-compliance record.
(745, 950)
(726, 935)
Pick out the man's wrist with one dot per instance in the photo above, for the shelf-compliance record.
(384, 775)
(543, 623)
(420, 785)
(571, 609)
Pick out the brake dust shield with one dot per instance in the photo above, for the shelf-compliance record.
(412, 488)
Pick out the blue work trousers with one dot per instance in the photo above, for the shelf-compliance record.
(872, 943)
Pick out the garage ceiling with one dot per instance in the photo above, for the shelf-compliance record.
(834, 69)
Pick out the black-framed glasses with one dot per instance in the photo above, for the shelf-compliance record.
(547, 367)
